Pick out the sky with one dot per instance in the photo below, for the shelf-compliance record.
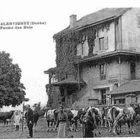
(34, 49)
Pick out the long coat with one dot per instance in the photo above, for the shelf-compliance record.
(62, 125)
(88, 128)
(29, 117)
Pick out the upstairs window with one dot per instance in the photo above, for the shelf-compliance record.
(102, 72)
(53, 79)
(101, 43)
(138, 20)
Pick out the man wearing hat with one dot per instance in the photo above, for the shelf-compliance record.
(62, 123)
(30, 118)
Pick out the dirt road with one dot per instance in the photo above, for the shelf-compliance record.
(8, 132)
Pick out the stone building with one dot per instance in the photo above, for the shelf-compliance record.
(108, 63)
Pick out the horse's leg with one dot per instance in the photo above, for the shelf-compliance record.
(51, 123)
(120, 128)
(48, 124)
(4, 122)
(109, 125)
(76, 125)
(132, 127)
(54, 123)
(129, 129)
(114, 127)
(98, 127)
(100, 124)
(106, 123)
(35, 126)
(117, 129)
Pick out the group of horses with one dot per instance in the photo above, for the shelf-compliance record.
(112, 117)
(7, 117)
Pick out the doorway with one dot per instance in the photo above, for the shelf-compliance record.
(103, 96)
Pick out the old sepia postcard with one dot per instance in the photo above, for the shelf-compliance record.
(69, 69)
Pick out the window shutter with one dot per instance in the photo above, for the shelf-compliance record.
(96, 48)
(138, 20)
(105, 42)
(79, 49)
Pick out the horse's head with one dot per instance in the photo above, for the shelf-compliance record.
(94, 110)
(11, 113)
(136, 108)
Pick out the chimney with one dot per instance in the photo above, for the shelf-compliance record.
(73, 19)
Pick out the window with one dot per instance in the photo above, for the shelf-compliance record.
(82, 43)
(132, 70)
(119, 101)
(138, 20)
(102, 72)
(53, 79)
(101, 43)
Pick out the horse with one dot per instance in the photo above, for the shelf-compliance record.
(117, 116)
(6, 115)
(51, 117)
(77, 116)
(130, 114)
(37, 114)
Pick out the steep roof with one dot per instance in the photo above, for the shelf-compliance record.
(51, 70)
(129, 87)
(98, 17)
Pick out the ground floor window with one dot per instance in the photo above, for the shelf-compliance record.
(119, 101)
(103, 96)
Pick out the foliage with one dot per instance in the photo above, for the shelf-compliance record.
(66, 48)
(50, 101)
(11, 89)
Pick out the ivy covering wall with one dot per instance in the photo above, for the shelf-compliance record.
(66, 48)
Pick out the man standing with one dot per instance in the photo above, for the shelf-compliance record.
(29, 118)
(62, 123)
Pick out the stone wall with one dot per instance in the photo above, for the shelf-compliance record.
(131, 30)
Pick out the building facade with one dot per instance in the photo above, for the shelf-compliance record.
(108, 58)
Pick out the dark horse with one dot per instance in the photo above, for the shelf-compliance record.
(38, 114)
(6, 115)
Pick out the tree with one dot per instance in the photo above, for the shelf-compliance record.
(12, 91)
